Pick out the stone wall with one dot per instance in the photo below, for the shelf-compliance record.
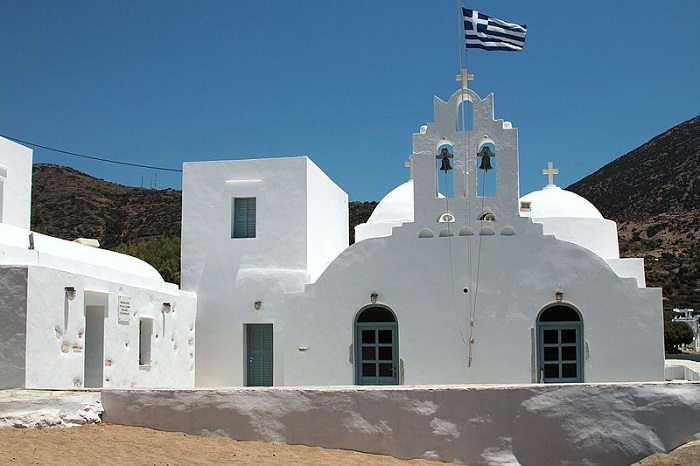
(516, 424)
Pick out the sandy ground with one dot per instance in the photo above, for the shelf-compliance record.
(123, 445)
(685, 455)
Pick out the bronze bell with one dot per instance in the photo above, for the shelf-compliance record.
(446, 165)
(445, 156)
(486, 155)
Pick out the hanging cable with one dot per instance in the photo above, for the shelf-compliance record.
(449, 259)
(466, 144)
(91, 157)
(472, 315)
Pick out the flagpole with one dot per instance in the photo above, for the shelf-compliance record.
(460, 36)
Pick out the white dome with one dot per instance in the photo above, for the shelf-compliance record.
(397, 206)
(552, 201)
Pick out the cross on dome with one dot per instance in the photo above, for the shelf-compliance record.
(464, 77)
(550, 171)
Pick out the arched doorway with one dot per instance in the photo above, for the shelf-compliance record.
(559, 345)
(376, 347)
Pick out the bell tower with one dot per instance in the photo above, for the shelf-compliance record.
(479, 161)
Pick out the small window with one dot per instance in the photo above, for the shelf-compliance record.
(145, 334)
(487, 216)
(243, 217)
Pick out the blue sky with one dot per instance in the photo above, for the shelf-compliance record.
(346, 83)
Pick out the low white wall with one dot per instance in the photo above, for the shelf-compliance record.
(682, 369)
(44, 408)
(523, 424)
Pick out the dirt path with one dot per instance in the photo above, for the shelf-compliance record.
(124, 445)
(127, 446)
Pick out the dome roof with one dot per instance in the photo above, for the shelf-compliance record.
(552, 201)
(397, 206)
(74, 257)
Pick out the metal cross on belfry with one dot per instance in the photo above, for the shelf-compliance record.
(445, 156)
(550, 171)
(464, 77)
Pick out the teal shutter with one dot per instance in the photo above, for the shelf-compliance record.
(250, 219)
(243, 221)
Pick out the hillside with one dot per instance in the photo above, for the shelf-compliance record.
(69, 204)
(653, 193)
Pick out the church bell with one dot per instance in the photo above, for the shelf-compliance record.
(445, 157)
(446, 165)
(486, 155)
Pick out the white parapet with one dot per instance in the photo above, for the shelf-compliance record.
(507, 424)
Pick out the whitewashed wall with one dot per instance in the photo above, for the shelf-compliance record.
(327, 220)
(209, 254)
(56, 328)
(517, 277)
(46, 331)
(599, 424)
(15, 183)
(301, 225)
(598, 235)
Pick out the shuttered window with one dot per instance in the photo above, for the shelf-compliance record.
(243, 217)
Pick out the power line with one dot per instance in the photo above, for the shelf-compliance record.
(91, 157)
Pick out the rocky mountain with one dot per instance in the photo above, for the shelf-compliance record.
(653, 193)
(69, 204)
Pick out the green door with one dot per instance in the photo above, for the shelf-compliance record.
(94, 346)
(560, 345)
(378, 358)
(376, 347)
(259, 354)
(560, 352)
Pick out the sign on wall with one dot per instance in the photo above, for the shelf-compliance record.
(124, 309)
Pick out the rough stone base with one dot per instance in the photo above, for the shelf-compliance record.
(43, 408)
(531, 424)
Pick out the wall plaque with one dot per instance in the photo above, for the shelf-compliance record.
(124, 309)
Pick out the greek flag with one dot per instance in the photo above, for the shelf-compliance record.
(483, 32)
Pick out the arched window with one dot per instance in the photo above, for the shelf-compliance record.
(376, 347)
(465, 116)
(559, 353)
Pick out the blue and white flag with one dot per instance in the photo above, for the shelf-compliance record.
(483, 32)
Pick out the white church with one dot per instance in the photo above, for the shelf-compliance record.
(454, 279)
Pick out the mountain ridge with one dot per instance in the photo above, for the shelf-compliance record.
(653, 194)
